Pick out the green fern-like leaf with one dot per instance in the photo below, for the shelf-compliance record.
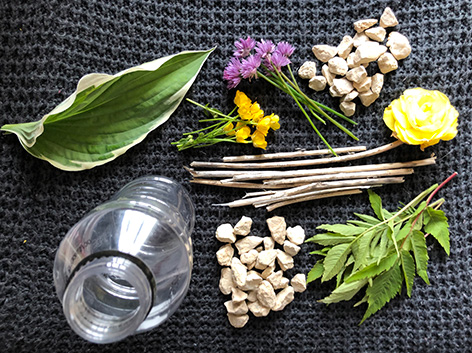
(418, 245)
(408, 268)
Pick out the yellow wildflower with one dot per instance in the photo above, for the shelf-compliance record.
(274, 122)
(258, 140)
(256, 112)
(422, 117)
(228, 128)
(263, 126)
(242, 134)
(240, 99)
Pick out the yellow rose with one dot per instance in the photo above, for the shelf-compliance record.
(422, 117)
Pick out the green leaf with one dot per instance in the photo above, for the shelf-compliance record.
(318, 252)
(376, 204)
(343, 229)
(408, 267)
(316, 272)
(374, 269)
(369, 219)
(383, 289)
(418, 245)
(334, 261)
(344, 292)
(327, 239)
(436, 224)
(108, 114)
(361, 250)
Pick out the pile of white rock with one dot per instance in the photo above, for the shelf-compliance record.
(253, 278)
(345, 71)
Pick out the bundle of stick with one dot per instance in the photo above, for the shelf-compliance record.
(281, 188)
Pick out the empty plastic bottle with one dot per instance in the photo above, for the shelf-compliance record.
(126, 266)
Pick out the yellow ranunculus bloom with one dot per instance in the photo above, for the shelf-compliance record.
(240, 99)
(242, 134)
(274, 122)
(256, 112)
(422, 117)
(227, 128)
(258, 140)
(263, 126)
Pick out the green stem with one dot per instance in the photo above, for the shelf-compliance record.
(210, 109)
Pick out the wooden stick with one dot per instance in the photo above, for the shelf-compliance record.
(309, 198)
(235, 184)
(296, 154)
(340, 176)
(274, 174)
(306, 162)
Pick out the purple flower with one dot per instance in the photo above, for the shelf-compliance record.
(285, 49)
(244, 47)
(232, 73)
(278, 60)
(265, 48)
(249, 66)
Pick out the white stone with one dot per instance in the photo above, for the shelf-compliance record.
(360, 38)
(368, 52)
(364, 85)
(278, 228)
(350, 60)
(283, 298)
(225, 254)
(350, 96)
(284, 260)
(236, 308)
(324, 52)
(345, 47)
(226, 281)
(377, 83)
(258, 310)
(357, 74)
(252, 296)
(362, 25)
(387, 63)
(249, 258)
(239, 272)
(268, 271)
(266, 294)
(237, 295)
(243, 227)
(388, 18)
(334, 92)
(260, 248)
(291, 248)
(368, 97)
(377, 33)
(238, 321)
(248, 243)
(265, 258)
(298, 283)
(307, 70)
(275, 278)
(342, 86)
(338, 66)
(269, 243)
(317, 83)
(297, 234)
(399, 45)
(224, 233)
(348, 108)
(253, 280)
(327, 75)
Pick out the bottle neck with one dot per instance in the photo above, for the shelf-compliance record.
(108, 298)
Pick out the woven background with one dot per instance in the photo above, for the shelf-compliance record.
(48, 45)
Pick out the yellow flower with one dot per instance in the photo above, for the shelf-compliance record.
(240, 99)
(258, 140)
(263, 126)
(274, 122)
(228, 128)
(422, 117)
(256, 112)
(242, 134)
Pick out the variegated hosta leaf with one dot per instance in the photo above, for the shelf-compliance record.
(108, 114)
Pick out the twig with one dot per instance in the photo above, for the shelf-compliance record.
(296, 154)
(306, 162)
(235, 184)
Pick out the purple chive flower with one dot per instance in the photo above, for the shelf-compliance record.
(265, 48)
(278, 60)
(249, 66)
(232, 73)
(285, 49)
(244, 47)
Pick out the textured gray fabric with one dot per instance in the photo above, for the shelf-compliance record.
(48, 45)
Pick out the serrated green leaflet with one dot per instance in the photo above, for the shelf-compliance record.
(435, 223)
(378, 251)
(315, 272)
(108, 114)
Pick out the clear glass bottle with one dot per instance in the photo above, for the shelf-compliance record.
(125, 267)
